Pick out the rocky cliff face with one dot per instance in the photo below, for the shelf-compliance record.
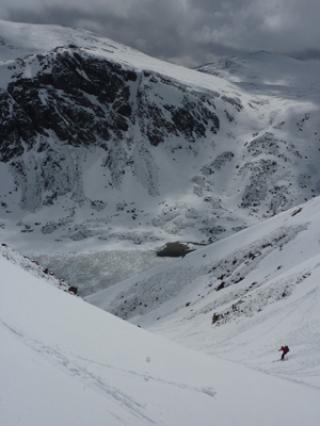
(75, 100)
(84, 100)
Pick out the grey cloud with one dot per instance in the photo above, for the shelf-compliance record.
(184, 30)
(144, 24)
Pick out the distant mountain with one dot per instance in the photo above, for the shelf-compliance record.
(272, 74)
(102, 145)
(307, 55)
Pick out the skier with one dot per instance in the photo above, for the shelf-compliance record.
(284, 350)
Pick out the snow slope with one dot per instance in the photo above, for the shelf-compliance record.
(240, 298)
(63, 361)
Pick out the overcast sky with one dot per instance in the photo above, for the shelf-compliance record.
(186, 31)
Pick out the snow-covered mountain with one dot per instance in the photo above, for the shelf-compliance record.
(65, 362)
(99, 128)
(107, 153)
(240, 298)
(103, 146)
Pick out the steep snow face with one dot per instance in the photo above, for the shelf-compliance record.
(66, 362)
(241, 298)
(101, 141)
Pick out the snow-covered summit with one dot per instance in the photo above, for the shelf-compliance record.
(19, 40)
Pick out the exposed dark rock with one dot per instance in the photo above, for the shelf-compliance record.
(220, 286)
(175, 249)
(73, 290)
(235, 102)
(296, 211)
(216, 318)
(73, 98)
(82, 98)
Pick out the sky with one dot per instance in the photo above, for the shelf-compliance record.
(185, 31)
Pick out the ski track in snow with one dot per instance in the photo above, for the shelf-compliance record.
(146, 376)
(70, 364)
(56, 357)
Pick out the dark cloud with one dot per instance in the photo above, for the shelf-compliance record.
(184, 30)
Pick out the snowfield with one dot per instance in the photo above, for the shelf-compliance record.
(65, 362)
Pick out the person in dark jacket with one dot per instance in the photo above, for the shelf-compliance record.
(284, 350)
